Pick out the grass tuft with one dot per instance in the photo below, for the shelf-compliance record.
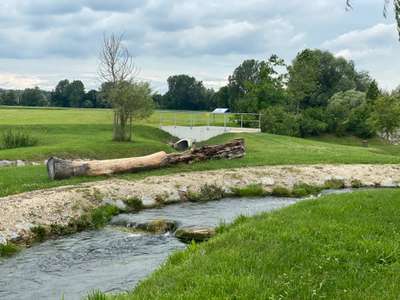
(251, 190)
(134, 204)
(208, 192)
(17, 138)
(40, 233)
(8, 250)
(280, 191)
(303, 190)
(334, 184)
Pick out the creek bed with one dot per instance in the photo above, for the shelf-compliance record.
(113, 260)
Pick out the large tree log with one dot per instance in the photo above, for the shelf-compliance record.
(60, 169)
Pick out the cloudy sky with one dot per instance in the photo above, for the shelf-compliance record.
(44, 41)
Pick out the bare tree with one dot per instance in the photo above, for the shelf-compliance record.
(396, 4)
(116, 63)
(129, 99)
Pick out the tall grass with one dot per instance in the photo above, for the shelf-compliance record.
(17, 138)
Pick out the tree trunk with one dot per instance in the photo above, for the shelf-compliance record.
(60, 169)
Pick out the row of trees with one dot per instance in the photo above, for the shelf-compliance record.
(65, 94)
(317, 94)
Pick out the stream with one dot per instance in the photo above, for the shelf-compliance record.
(111, 259)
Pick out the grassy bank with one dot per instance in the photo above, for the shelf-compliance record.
(337, 247)
(86, 133)
(262, 149)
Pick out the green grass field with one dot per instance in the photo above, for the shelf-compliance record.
(337, 247)
(86, 133)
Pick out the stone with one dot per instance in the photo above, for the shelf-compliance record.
(193, 233)
(157, 226)
(117, 203)
(20, 163)
(6, 163)
(121, 220)
(3, 240)
(267, 181)
(388, 184)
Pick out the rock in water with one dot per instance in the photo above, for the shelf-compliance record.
(157, 226)
(197, 234)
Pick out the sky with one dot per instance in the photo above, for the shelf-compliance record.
(45, 41)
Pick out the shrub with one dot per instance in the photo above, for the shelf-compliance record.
(356, 184)
(278, 120)
(303, 189)
(17, 138)
(134, 204)
(208, 192)
(334, 184)
(40, 233)
(8, 250)
(280, 191)
(252, 190)
(100, 216)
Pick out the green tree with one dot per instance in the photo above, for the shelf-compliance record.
(340, 107)
(315, 76)
(75, 93)
(373, 92)
(268, 90)
(59, 97)
(33, 97)
(130, 100)
(277, 120)
(185, 92)
(385, 117)
(9, 98)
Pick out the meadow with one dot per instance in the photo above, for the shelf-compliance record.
(86, 133)
(336, 247)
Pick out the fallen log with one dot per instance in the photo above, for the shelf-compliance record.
(60, 168)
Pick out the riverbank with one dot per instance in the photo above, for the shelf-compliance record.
(336, 247)
(61, 206)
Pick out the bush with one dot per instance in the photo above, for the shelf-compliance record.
(313, 122)
(356, 184)
(102, 215)
(252, 190)
(280, 191)
(277, 120)
(17, 138)
(208, 192)
(303, 189)
(8, 250)
(39, 232)
(134, 204)
(334, 184)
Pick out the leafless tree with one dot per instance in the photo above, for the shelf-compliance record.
(396, 4)
(116, 63)
(129, 99)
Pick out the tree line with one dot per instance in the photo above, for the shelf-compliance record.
(317, 93)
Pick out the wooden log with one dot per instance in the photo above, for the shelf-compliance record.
(60, 169)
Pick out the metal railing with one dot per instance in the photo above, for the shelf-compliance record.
(192, 119)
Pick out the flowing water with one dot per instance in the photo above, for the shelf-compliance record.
(110, 259)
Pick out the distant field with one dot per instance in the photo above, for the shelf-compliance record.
(43, 116)
(86, 133)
